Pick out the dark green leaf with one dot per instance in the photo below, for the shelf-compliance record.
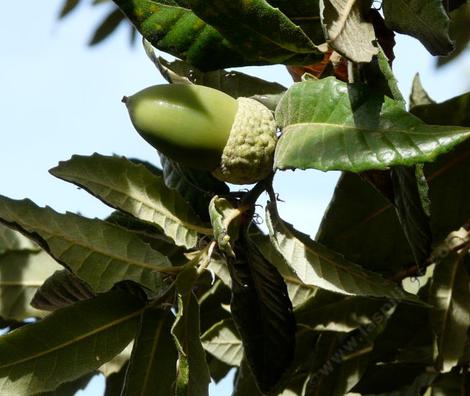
(11, 240)
(414, 220)
(339, 362)
(261, 29)
(459, 32)
(446, 174)
(68, 7)
(449, 293)
(115, 382)
(193, 375)
(350, 226)
(407, 337)
(322, 130)
(233, 83)
(171, 26)
(70, 388)
(263, 315)
(60, 290)
(314, 264)
(393, 378)
(346, 29)
(152, 368)
(419, 96)
(196, 187)
(64, 346)
(211, 304)
(451, 5)
(305, 14)
(21, 274)
(455, 111)
(135, 190)
(150, 234)
(99, 253)
(244, 382)
(331, 311)
(451, 384)
(425, 20)
(107, 26)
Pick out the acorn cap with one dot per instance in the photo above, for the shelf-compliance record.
(249, 152)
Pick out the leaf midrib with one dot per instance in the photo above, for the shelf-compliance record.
(378, 130)
(75, 340)
(81, 181)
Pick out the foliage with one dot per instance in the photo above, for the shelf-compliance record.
(179, 285)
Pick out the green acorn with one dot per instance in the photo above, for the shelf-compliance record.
(206, 129)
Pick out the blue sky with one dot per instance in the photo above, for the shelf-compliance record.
(59, 98)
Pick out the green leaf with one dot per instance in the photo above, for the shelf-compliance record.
(396, 379)
(21, 274)
(244, 382)
(70, 388)
(410, 194)
(99, 253)
(150, 234)
(425, 20)
(419, 96)
(331, 311)
(152, 368)
(120, 360)
(196, 187)
(459, 33)
(193, 375)
(305, 14)
(218, 265)
(314, 264)
(213, 304)
(298, 291)
(11, 240)
(346, 29)
(68, 7)
(171, 26)
(350, 225)
(262, 312)
(135, 190)
(323, 130)
(339, 362)
(260, 28)
(107, 27)
(222, 341)
(233, 83)
(445, 175)
(454, 111)
(225, 221)
(64, 346)
(115, 382)
(451, 384)
(450, 296)
(60, 290)
(407, 337)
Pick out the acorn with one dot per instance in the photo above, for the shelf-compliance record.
(206, 129)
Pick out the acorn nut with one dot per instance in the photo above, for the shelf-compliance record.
(206, 129)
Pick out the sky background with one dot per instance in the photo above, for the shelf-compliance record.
(59, 97)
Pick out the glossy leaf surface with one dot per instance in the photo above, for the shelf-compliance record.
(322, 130)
